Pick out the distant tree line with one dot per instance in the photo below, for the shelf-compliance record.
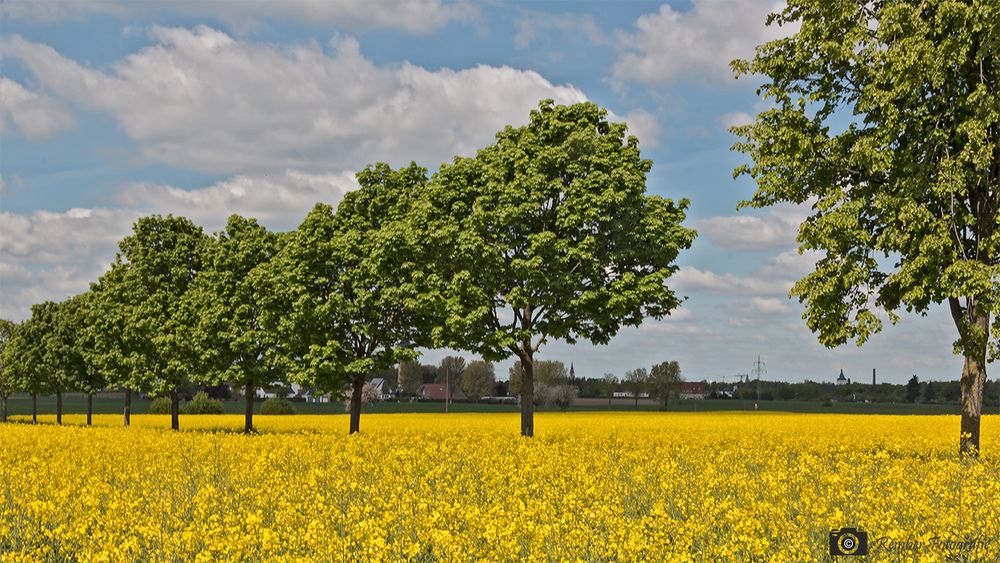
(546, 234)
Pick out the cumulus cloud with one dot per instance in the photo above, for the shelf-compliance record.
(667, 44)
(416, 16)
(49, 256)
(644, 126)
(689, 278)
(199, 98)
(279, 201)
(45, 255)
(735, 119)
(35, 115)
(777, 229)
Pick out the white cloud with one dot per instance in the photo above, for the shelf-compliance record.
(777, 229)
(199, 98)
(415, 16)
(279, 201)
(702, 40)
(735, 119)
(690, 278)
(644, 126)
(45, 255)
(35, 115)
(767, 306)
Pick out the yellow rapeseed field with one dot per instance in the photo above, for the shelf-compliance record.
(589, 486)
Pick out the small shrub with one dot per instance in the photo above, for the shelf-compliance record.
(160, 405)
(277, 406)
(202, 404)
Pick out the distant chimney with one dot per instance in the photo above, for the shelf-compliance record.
(873, 377)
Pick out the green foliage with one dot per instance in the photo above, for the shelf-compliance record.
(664, 381)
(885, 120)
(549, 233)
(201, 403)
(66, 344)
(478, 379)
(224, 305)
(27, 356)
(140, 296)
(636, 381)
(912, 389)
(349, 285)
(160, 405)
(7, 329)
(410, 376)
(277, 406)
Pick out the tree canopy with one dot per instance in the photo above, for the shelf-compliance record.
(884, 119)
(355, 285)
(142, 293)
(549, 233)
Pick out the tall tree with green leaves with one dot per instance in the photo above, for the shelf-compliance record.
(355, 286)
(409, 376)
(7, 329)
(104, 337)
(24, 358)
(68, 340)
(664, 382)
(58, 349)
(225, 306)
(478, 379)
(885, 119)
(154, 268)
(549, 234)
(637, 382)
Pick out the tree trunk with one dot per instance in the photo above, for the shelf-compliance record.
(973, 381)
(3, 410)
(973, 327)
(90, 409)
(359, 385)
(58, 407)
(248, 413)
(175, 410)
(636, 397)
(34, 408)
(128, 407)
(527, 395)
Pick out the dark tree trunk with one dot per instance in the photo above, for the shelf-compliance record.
(90, 409)
(128, 407)
(636, 397)
(359, 385)
(248, 413)
(973, 381)
(527, 394)
(175, 410)
(973, 327)
(3, 410)
(58, 407)
(34, 408)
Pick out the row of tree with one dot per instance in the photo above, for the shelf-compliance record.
(548, 233)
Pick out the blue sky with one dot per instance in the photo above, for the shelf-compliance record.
(112, 110)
